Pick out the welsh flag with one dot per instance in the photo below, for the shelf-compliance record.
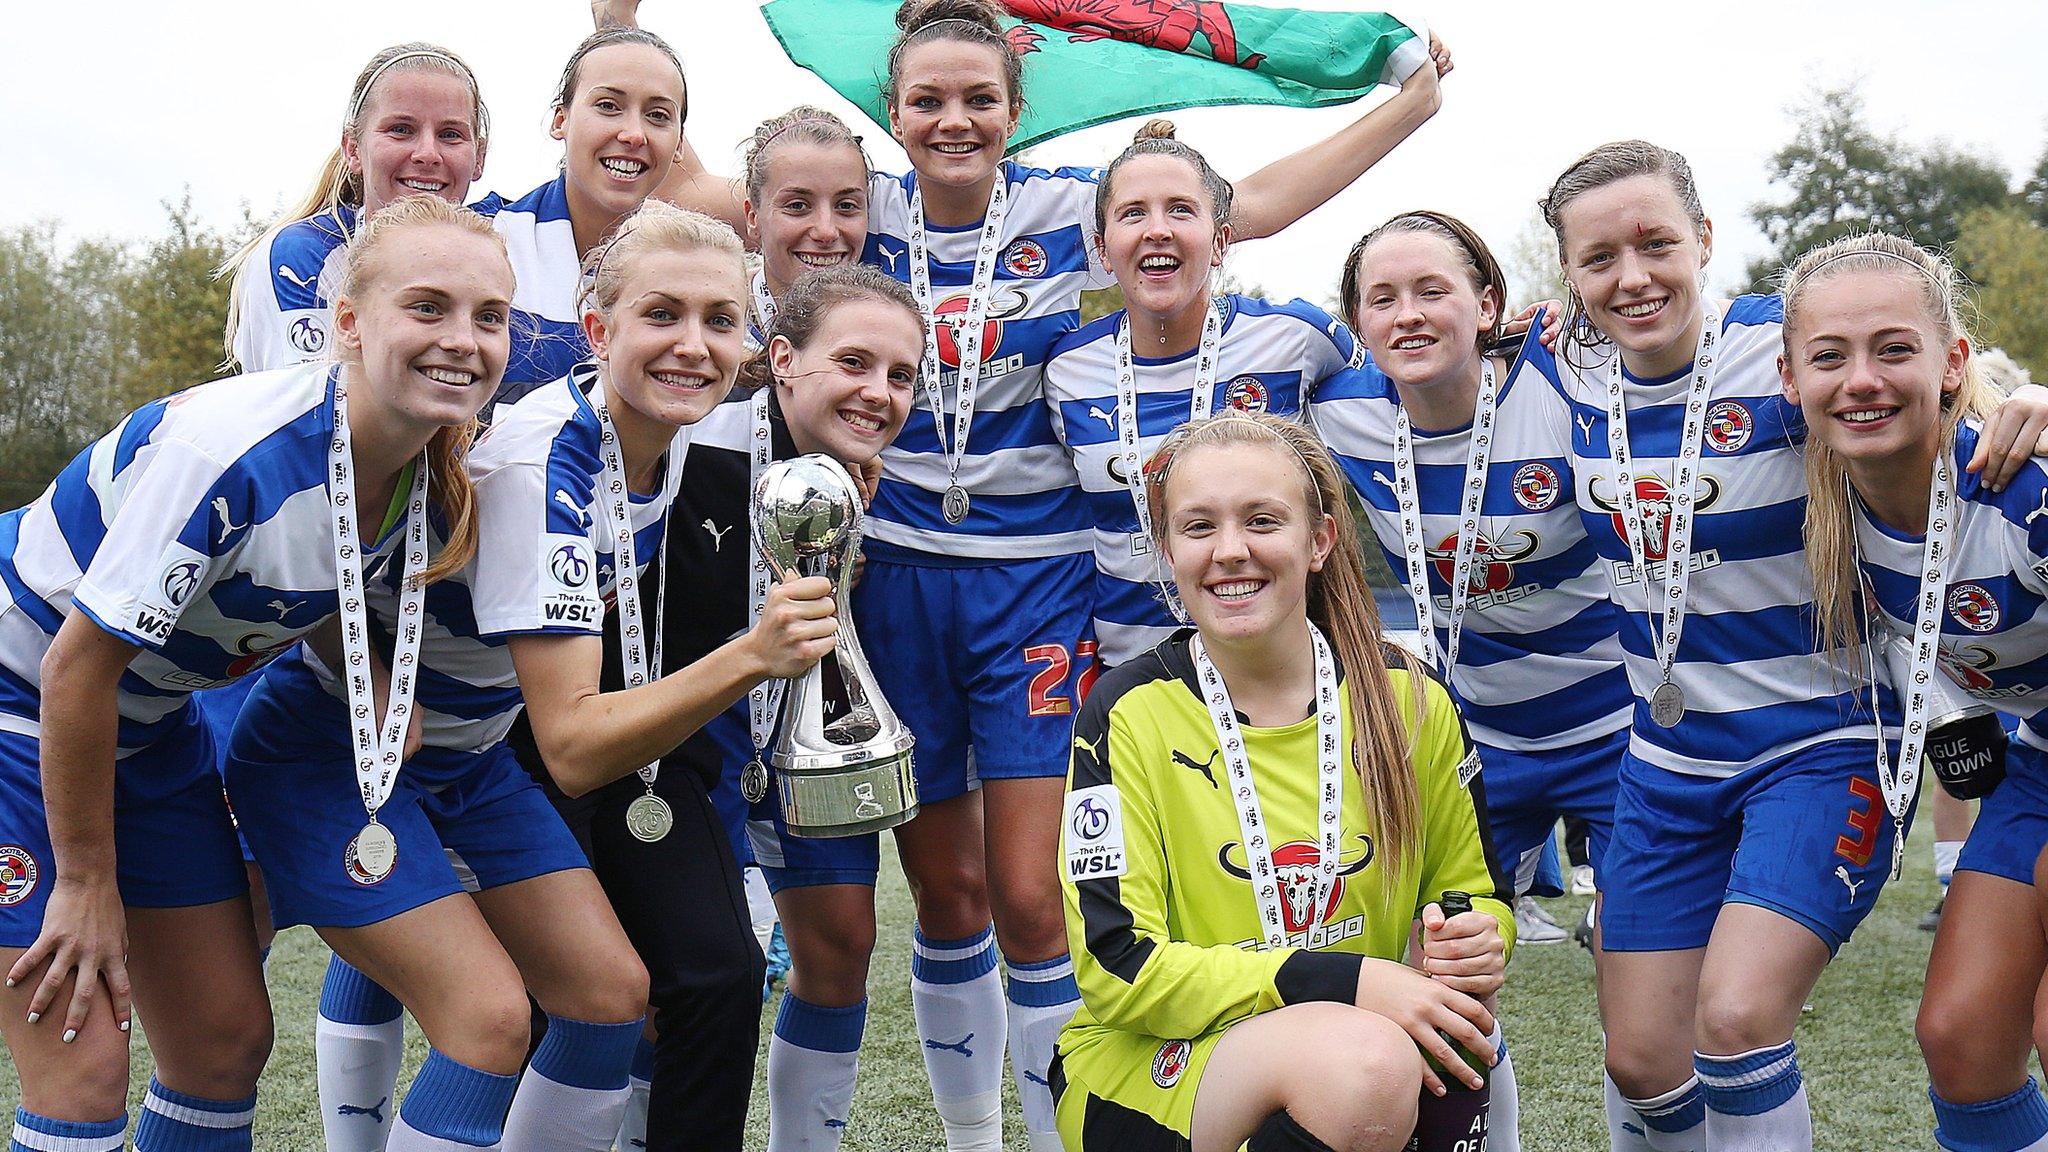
(1087, 62)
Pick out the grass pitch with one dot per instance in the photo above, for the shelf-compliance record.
(1863, 1071)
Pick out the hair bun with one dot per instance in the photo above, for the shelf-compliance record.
(1157, 128)
(912, 15)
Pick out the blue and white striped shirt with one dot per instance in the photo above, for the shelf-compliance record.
(547, 330)
(1025, 501)
(1994, 636)
(1755, 685)
(1539, 662)
(287, 289)
(198, 530)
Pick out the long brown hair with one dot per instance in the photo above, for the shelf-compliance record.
(336, 185)
(448, 452)
(1340, 603)
(804, 306)
(1829, 528)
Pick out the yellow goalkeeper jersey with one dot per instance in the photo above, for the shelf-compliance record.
(1161, 918)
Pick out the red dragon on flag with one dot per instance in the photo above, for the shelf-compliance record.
(1168, 24)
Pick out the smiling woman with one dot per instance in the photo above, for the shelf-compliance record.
(211, 531)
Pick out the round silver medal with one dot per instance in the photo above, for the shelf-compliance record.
(956, 504)
(754, 781)
(648, 818)
(374, 852)
(1667, 705)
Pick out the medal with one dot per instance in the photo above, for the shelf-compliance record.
(1917, 696)
(764, 314)
(1408, 492)
(1201, 397)
(372, 853)
(764, 698)
(1258, 839)
(647, 817)
(1667, 705)
(754, 781)
(967, 333)
(1667, 700)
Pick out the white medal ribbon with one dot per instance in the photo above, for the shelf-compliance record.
(1201, 398)
(765, 698)
(377, 754)
(640, 655)
(967, 334)
(764, 307)
(1251, 821)
(1408, 491)
(1678, 546)
(1901, 782)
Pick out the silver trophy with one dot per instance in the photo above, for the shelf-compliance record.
(842, 758)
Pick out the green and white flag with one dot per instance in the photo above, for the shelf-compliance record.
(1087, 62)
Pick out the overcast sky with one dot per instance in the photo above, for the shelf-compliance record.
(112, 108)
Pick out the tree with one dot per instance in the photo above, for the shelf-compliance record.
(1843, 177)
(2034, 196)
(177, 307)
(2006, 254)
(1530, 264)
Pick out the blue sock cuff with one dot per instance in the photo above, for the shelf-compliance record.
(952, 961)
(349, 997)
(596, 1057)
(198, 1103)
(453, 1101)
(819, 1028)
(1750, 1084)
(71, 1129)
(1683, 1113)
(643, 1060)
(2014, 1120)
(1042, 983)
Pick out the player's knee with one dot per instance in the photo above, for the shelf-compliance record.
(1730, 1022)
(489, 1032)
(616, 993)
(1950, 1037)
(1028, 935)
(237, 1048)
(1642, 1072)
(91, 1083)
(1369, 1077)
(952, 899)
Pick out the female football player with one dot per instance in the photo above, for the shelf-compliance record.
(1266, 934)
(206, 534)
(1877, 358)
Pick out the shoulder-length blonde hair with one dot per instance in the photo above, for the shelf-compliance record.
(1829, 528)
(1340, 602)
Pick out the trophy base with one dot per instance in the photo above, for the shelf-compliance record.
(821, 801)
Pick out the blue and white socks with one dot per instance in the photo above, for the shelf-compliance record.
(358, 1044)
(813, 1059)
(957, 996)
(633, 1125)
(1504, 1099)
(1756, 1101)
(1674, 1121)
(573, 1095)
(452, 1107)
(2016, 1122)
(175, 1122)
(1042, 998)
(33, 1133)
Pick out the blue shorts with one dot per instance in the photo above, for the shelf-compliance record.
(217, 708)
(759, 837)
(2012, 823)
(981, 663)
(1527, 793)
(463, 820)
(174, 846)
(1805, 835)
